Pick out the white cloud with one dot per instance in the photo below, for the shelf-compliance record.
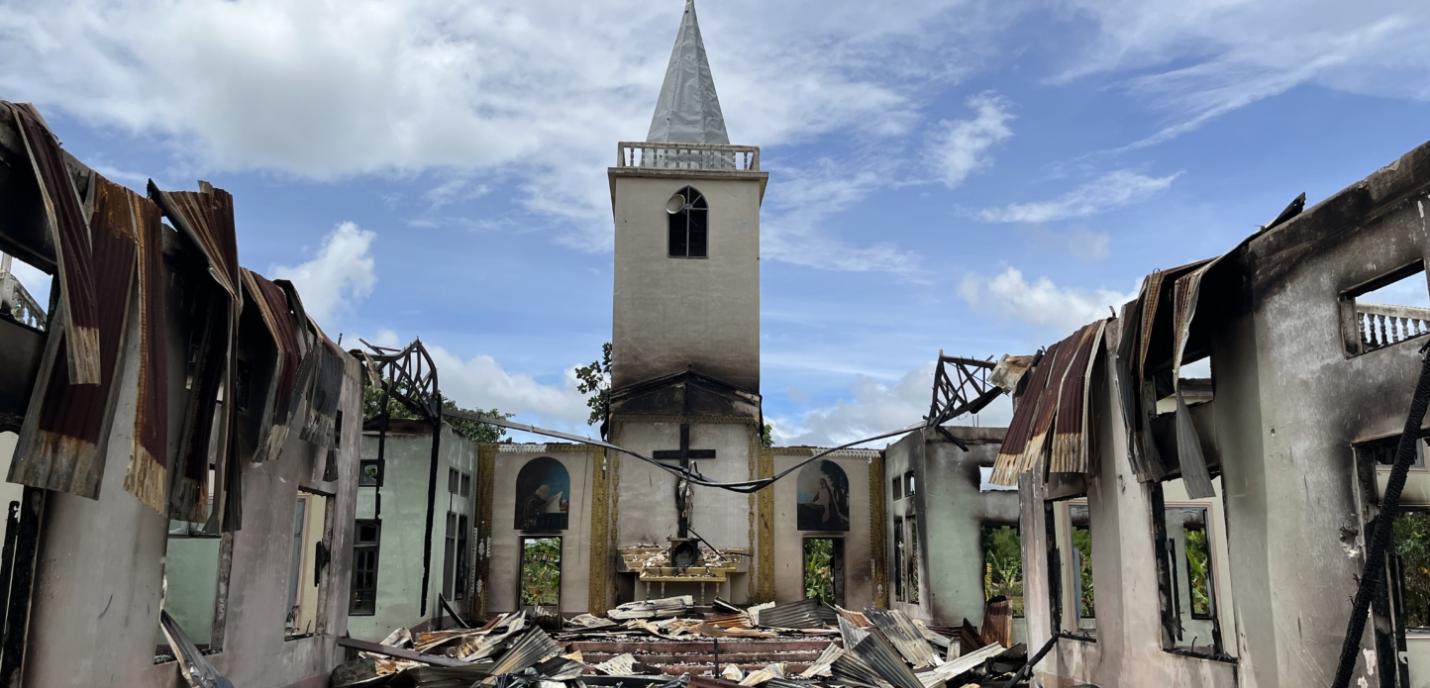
(342, 272)
(534, 93)
(1040, 302)
(796, 228)
(875, 407)
(959, 148)
(1112, 190)
(1199, 60)
(481, 382)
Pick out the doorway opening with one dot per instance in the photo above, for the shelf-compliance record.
(541, 572)
(824, 569)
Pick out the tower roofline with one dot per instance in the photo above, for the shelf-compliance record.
(688, 108)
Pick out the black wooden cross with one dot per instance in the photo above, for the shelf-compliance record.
(682, 489)
(684, 453)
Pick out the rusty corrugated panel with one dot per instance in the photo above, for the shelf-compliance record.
(1190, 456)
(904, 636)
(1058, 359)
(807, 613)
(74, 253)
(1070, 430)
(878, 655)
(65, 434)
(205, 217)
(533, 647)
(1146, 461)
(150, 466)
(1008, 465)
(272, 304)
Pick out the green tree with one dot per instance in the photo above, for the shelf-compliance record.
(541, 572)
(1199, 571)
(1412, 544)
(1003, 565)
(594, 380)
(472, 430)
(767, 436)
(819, 570)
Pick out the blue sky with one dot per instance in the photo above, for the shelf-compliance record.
(974, 177)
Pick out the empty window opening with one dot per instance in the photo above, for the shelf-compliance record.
(309, 564)
(367, 542)
(986, 484)
(824, 570)
(1003, 565)
(454, 566)
(899, 558)
(1191, 570)
(909, 484)
(898, 487)
(1410, 561)
(1381, 451)
(541, 572)
(689, 220)
(24, 293)
(370, 473)
(1070, 557)
(192, 561)
(915, 560)
(1388, 310)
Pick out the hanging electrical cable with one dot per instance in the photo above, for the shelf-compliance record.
(692, 476)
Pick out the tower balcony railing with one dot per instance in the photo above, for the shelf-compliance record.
(687, 156)
(1380, 326)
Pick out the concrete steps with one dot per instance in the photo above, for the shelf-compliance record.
(697, 657)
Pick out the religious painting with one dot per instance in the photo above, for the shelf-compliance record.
(823, 497)
(543, 495)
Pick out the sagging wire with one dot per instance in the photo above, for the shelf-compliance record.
(691, 476)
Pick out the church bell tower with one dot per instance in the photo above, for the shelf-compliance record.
(685, 347)
(687, 244)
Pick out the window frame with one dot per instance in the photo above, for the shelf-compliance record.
(375, 546)
(898, 558)
(321, 561)
(1056, 574)
(695, 201)
(984, 529)
(1353, 345)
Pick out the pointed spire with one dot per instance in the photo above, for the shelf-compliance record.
(688, 110)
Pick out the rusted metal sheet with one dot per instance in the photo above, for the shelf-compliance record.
(271, 304)
(205, 217)
(1070, 431)
(63, 440)
(69, 228)
(904, 636)
(151, 465)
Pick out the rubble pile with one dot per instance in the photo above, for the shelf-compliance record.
(670, 643)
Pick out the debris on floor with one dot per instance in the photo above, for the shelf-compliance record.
(671, 643)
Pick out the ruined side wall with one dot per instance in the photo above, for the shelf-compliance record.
(1315, 401)
(789, 540)
(1128, 646)
(504, 583)
(97, 597)
(404, 520)
(954, 513)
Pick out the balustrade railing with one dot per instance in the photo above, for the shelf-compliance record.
(16, 301)
(1380, 326)
(688, 156)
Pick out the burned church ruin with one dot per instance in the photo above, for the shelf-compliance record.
(1222, 483)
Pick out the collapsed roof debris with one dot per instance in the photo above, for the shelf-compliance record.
(669, 642)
